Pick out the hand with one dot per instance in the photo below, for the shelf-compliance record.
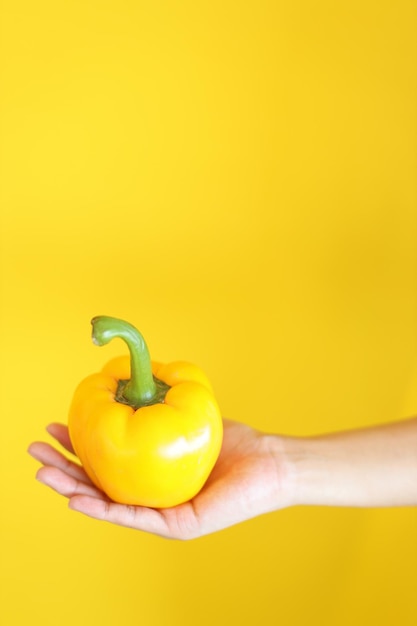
(249, 479)
(257, 473)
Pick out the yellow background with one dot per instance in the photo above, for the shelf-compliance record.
(237, 179)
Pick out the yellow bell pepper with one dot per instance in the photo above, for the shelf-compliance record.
(146, 433)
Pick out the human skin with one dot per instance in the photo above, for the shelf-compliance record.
(257, 473)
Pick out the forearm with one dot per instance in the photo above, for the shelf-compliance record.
(373, 467)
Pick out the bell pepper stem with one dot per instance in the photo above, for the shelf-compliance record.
(141, 387)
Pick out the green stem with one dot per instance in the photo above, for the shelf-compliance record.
(141, 388)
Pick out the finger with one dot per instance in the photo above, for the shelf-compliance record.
(64, 484)
(139, 518)
(60, 433)
(47, 455)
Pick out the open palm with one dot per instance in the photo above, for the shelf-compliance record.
(246, 481)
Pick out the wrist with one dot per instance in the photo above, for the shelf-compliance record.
(305, 472)
(291, 469)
